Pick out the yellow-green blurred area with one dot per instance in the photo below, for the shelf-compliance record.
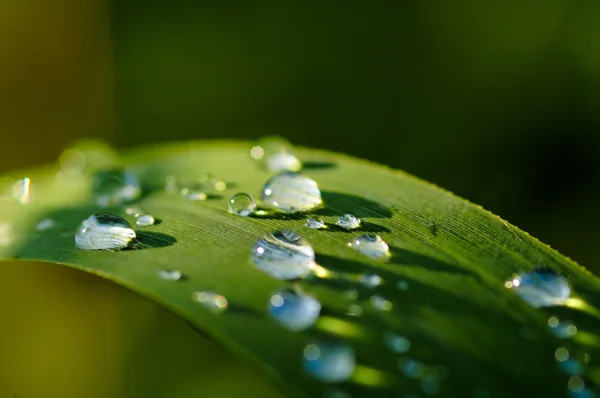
(496, 101)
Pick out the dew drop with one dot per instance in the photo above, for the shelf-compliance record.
(294, 311)
(284, 255)
(134, 211)
(170, 274)
(541, 287)
(370, 280)
(115, 187)
(22, 190)
(348, 221)
(211, 300)
(104, 231)
(396, 344)
(562, 329)
(315, 224)
(381, 304)
(44, 225)
(329, 362)
(194, 196)
(144, 220)
(276, 154)
(290, 192)
(242, 204)
(372, 246)
(282, 161)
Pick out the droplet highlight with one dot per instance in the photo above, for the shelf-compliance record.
(284, 255)
(104, 231)
(242, 204)
(294, 311)
(115, 187)
(541, 287)
(348, 221)
(329, 362)
(211, 301)
(372, 246)
(289, 192)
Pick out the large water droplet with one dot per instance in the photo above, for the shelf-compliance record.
(144, 220)
(348, 221)
(372, 246)
(211, 300)
(294, 310)
(284, 255)
(329, 362)
(242, 204)
(291, 193)
(315, 224)
(22, 190)
(170, 274)
(115, 187)
(104, 232)
(541, 287)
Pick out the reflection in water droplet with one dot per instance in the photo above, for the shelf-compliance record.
(290, 192)
(329, 362)
(104, 232)
(562, 329)
(541, 288)
(402, 285)
(348, 221)
(170, 274)
(211, 300)
(293, 310)
(45, 224)
(379, 303)
(115, 187)
(576, 384)
(284, 255)
(370, 280)
(396, 344)
(315, 224)
(144, 220)
(242, 204)
(561, 354)
(22, 190)
(372, 246)
(411, 367)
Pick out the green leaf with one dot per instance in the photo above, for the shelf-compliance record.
(445, 280)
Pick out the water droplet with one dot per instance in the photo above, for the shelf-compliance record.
(354, 310)
(402, 285)
(576, 384)
(282, 161)
(396, 344)
(242, 204)
(541, 287)
(170, 274)
(22, 190)
(211, 300)
(193, 195)
(134, 211)
(104, 231)
(284, 255)
(562, 329)
(115, 187)
(561, 354)
(411, 367)
(370, 280)
(276, 154)
(294, 311)
(329, 362)
(144, 220)
(379, 303)
(315, 224)
(348, 221)
(45, 224)
(291, 193)
(372, 246)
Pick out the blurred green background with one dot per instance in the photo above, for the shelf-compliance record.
(498, 102)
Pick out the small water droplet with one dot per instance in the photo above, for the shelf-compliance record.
(329, 362)
(294, 311)
(104, 231)
(402, 285)
(379, 303)
(348, 221)
(315, 224)
(290, 192)
(242, 204)
(396, 344)
(372, 246)
(144, 220)
(541, 287)
(211, 300)
(193, 195)
(276, 154)
(284, 255)
(576, 384)
(134, 211)
(45, 224)
(115, 187)
(354, 310)
(170, 274)
(370, 280)
(22, 190)
(411, 367)
(562, 329)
